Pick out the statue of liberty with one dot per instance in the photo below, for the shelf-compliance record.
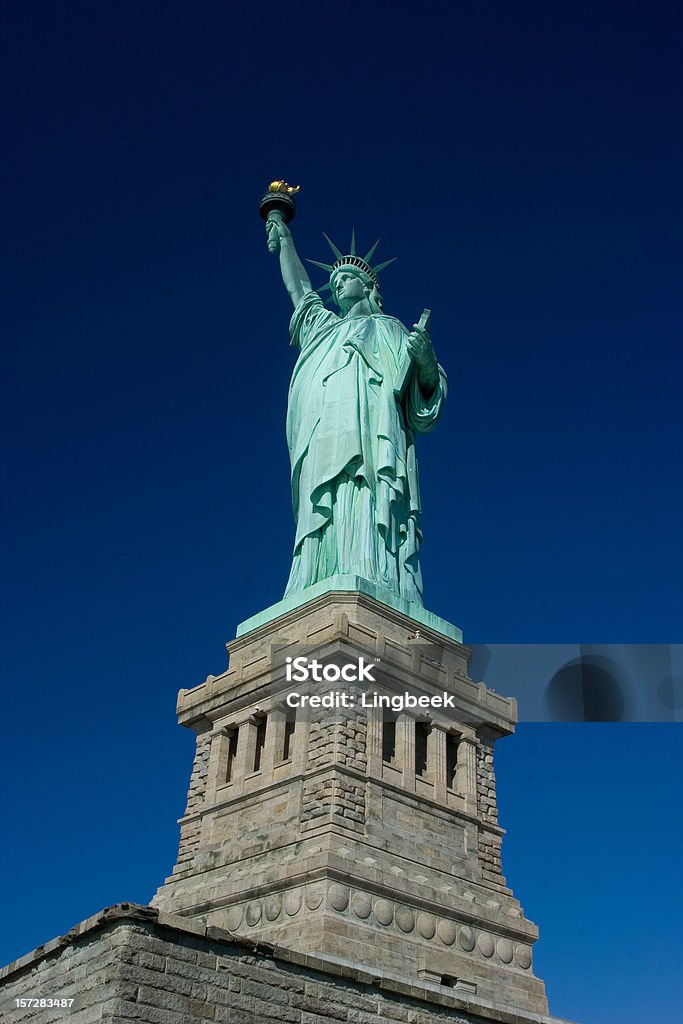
(351, 426)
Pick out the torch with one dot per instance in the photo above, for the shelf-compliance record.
(278, 201)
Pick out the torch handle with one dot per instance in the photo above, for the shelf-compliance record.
(272, 230)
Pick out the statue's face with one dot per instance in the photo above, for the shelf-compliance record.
(348, 289)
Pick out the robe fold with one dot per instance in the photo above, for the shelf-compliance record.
(352, 449)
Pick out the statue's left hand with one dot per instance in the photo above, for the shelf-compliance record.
(421, 348)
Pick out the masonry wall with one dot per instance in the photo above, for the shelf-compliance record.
(135, 964)
(191, 823)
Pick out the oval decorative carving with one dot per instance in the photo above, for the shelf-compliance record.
(466, 938)
(273, 906)
(485, 943)
(426, 925)
(447, 932)
(523, 957)
(253, 914)
(405, 919)
(339, 897)
(361, 905)
(314, 897)
(293, 902)
(384, 912)
(233, 918)
(504, 949)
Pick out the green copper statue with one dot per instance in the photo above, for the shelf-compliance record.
(351, 424)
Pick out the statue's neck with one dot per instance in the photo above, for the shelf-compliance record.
(362, 308)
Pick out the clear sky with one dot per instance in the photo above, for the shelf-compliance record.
(523, 162)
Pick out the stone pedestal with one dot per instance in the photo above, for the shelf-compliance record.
(132, 963)
(356, 833)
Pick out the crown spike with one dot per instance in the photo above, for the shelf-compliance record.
(353, 242)
(323, 266)
(324, 288)
(333, 247)
(385, 264)
(371, 253)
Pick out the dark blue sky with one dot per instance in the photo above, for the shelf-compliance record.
(523, 161)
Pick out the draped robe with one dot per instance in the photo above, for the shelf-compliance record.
(352, 449)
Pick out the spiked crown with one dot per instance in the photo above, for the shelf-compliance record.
(361, 263)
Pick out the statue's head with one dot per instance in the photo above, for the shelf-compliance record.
(350, 284)
(352, 278)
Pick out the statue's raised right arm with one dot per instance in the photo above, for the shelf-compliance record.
(297, 281)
